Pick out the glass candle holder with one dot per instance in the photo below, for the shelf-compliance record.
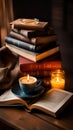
(58, 79)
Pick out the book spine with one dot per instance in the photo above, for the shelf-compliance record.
(51, 65)
(37, 41)
(22, 44)
(25, 33)
(34, 33)
(19, 36)
(38, 74)
(44, 39)
(28, 46)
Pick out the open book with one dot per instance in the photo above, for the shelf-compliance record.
(52, 102)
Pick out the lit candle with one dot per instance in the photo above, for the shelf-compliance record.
(27, 83)
(58, 80)
(28, 80)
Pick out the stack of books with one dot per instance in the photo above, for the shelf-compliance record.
(34, 41)
(41, 69)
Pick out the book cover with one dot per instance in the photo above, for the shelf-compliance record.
(34, 33)
(52, 102)
(23, 23)
(43, 40)
(28, 46)
(46, 64)
(33, 56)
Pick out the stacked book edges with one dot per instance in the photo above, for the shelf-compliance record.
(34, 56)
(35, 42)
(32, 39)
(42, 68)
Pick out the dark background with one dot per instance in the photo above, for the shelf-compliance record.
(40, 9)
(59, 13)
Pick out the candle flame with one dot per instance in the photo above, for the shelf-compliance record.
(57, 79)
(28, 77)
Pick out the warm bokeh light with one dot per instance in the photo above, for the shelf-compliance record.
(57, 79)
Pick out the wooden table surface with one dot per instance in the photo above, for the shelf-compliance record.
(19, 119)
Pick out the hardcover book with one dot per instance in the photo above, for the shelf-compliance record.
(37, 73)
(46, 64)
(34, 33)
(52, 102)
(23, 23)
(33, 56)
(28, 46)
(35, 40)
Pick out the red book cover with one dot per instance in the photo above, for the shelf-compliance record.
(49, 63)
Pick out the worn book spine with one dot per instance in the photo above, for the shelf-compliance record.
(39, 74)
(34, 33)
(19, 43)
(18, 36)
(22, 44)
(49, 65)
(28, 46)
(43, 40)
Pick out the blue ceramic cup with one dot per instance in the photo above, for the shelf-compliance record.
(31, 86)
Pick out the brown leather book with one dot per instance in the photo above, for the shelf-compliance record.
(23, 23)
(41, 40)
(34, 33)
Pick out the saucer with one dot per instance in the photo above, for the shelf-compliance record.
(19, 92)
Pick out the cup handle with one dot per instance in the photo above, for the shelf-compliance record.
(38, 86)
(39, 82)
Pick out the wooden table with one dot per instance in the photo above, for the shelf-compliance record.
(18, 119)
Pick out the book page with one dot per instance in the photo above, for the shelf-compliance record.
(8, 95)
(8, 98)
(53, 100)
